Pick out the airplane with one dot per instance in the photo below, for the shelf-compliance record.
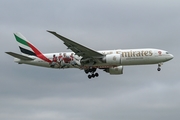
(87, 59)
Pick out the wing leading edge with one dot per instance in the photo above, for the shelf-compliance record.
(78, 49)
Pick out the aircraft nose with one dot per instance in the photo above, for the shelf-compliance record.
(171, 56)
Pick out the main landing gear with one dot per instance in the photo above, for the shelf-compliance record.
(159, 67)
(92, 71)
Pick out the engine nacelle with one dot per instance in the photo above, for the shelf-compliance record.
(112, 59)
(115, 70)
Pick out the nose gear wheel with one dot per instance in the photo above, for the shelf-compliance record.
(159, 67)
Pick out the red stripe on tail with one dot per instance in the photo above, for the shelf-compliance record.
(38, 53)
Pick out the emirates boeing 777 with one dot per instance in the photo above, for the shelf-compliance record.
(84, 58)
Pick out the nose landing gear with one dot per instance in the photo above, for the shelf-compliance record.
(159, 66)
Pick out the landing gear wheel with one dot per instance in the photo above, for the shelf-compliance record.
(86, 71)
(89, 76)
(92, 71)
(159, 69)
(93, 75)
(96, 74)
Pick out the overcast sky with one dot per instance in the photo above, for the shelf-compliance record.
(141, 93)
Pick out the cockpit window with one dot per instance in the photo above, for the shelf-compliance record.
(167, 53)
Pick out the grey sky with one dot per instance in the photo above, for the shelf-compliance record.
(34, 93)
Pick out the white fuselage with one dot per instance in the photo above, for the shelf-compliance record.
(126, 57)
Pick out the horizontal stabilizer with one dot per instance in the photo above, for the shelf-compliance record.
(22, 57)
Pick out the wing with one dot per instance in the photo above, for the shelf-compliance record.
(79, 49)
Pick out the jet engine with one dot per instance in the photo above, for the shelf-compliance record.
(112, 59)
(115, 70)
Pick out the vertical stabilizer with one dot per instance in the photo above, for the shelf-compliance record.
(27, 48)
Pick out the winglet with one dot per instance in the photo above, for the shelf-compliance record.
(51, 31)
(60, 36)
(54, 33)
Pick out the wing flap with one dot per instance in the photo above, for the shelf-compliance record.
(22, 57)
